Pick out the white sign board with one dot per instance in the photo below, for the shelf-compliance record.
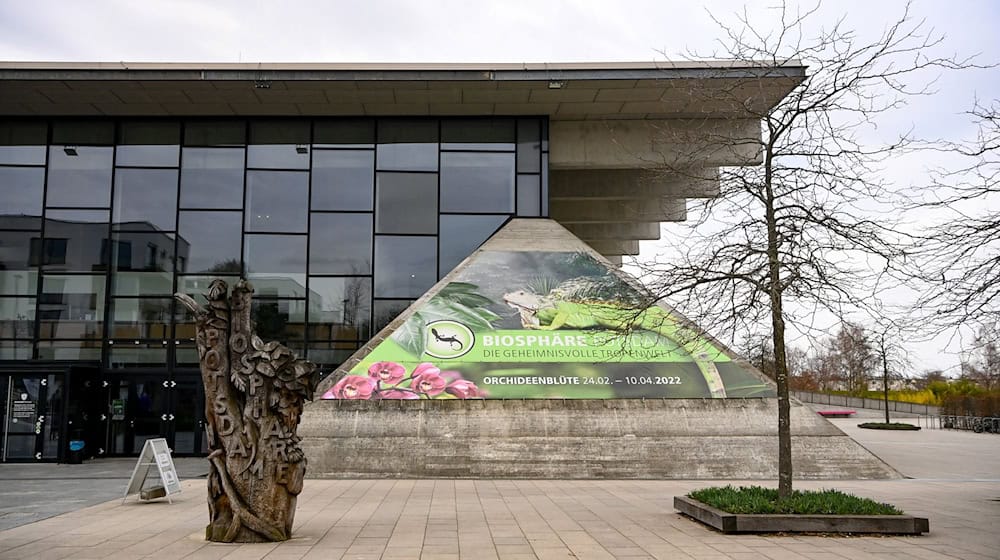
(155, 453)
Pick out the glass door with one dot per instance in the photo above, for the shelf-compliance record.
(32, 416)
(188, 416)
(138, 410)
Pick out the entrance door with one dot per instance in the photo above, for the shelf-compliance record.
(138, 406)
(32, 418)
(188, 396)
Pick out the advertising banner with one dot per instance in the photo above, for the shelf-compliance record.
(545, 325)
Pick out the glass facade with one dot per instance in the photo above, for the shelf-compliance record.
(338, 223)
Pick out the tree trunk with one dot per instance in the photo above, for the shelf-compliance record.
(778, 336)
(885, 379)
(254, 393)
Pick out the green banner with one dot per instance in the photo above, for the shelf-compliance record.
(545, 325)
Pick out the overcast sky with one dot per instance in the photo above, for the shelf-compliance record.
(471, 31)
(422, 31)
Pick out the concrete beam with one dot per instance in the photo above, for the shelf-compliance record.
(653, 144)
(607, 247)
(614, 259)
(629, 230)
(602, 212)
(610, 184)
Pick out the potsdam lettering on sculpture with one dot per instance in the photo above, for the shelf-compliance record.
(254, 391)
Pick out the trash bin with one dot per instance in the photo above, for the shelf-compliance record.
(76, 445)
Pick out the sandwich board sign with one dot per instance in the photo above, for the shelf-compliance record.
(155, 453)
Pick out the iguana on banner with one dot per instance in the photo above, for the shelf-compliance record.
(589, 303)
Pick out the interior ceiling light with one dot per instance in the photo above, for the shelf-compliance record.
(70, 150)
(301, 149)
(556, 84)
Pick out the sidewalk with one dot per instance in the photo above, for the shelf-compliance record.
(31, 492)
(504, 519)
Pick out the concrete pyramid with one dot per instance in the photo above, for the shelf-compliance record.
(536, 357)
(537, 313)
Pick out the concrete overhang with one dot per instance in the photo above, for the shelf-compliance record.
(565, 91)
(615, 127)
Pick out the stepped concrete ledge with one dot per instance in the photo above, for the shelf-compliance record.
(573, 439)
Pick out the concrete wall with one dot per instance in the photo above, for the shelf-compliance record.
(653, 143)
(650, 438)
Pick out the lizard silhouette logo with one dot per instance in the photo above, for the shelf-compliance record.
(448, 339)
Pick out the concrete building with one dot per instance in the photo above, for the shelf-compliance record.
(343, 191)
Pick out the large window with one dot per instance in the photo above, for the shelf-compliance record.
(277, 201)
(405, 267)
(343, 179)
(406, 203)
(79, 176)
(209, 241)
(340, 243)
(477, 182)
(23, 160)
(338, 223)
(145, 199)
(212, 178)
(21, 189)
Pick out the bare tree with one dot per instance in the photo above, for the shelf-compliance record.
(963, 253)
(824, 370)
(851, 355)
(759, 351)
(925, 379)
(982, 365)
(801, 229)
(892, 360)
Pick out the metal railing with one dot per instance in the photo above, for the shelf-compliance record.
(861, 402)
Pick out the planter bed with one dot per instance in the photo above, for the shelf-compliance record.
(836, 413)
(796, 523)
(891, 426)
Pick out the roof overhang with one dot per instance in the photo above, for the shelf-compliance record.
(567, 91)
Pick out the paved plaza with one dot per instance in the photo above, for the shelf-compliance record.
(956, 483)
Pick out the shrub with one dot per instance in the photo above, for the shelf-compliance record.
(987, 404)
(757, 499)
(889, 426)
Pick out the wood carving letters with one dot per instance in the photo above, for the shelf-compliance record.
(256, 382)
(254, 392)
(226, 425)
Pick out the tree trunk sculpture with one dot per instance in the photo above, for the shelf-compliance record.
(254, 393)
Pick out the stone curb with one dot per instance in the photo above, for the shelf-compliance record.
(784, 523)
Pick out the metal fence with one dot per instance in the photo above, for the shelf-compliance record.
(927, 416)
(861, 402)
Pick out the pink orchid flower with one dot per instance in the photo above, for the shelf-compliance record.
(427, 379)
(389, 373)
(464, 389)
(355, 387)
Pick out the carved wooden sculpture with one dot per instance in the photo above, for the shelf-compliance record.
(254, 393)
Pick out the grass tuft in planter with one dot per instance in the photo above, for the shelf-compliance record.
(890, 426)
(757, 499)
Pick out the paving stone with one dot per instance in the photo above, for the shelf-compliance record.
(504, 519)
